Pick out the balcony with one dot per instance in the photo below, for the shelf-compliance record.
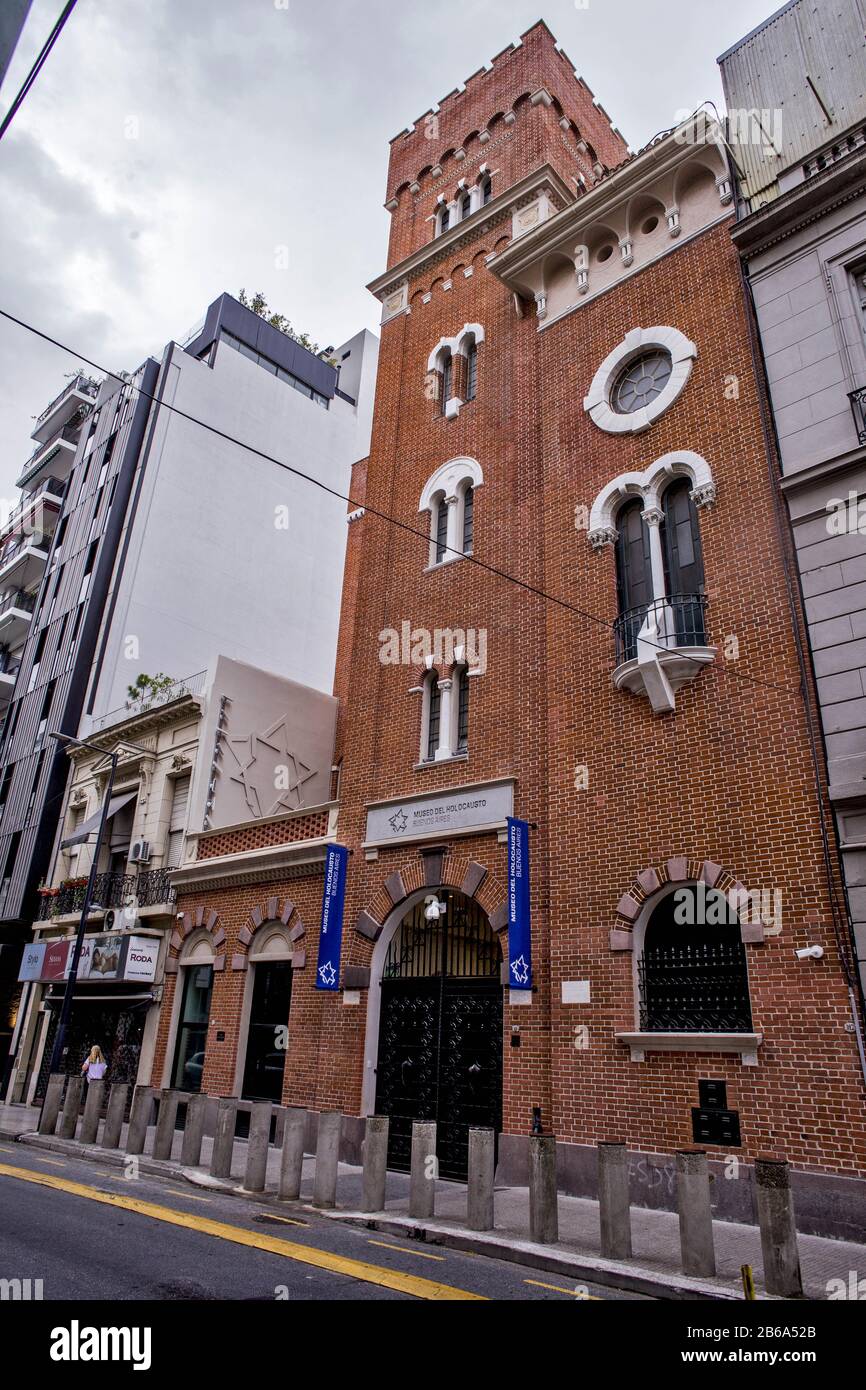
(79, 393)
(9, 668)
(37, 511)
(660, 647)
(858, 406)
(53, 459)
(151, 889)
(23, 563)
(192, 685)
(16, 612)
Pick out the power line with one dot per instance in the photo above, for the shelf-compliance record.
(384, 516)
(37, 67)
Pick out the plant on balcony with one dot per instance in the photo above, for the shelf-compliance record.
(259, 305)
(147, 690)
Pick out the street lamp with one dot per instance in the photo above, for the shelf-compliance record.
(72, 978)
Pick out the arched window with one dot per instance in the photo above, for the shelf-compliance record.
(692, 972)
(486, 190)
(633, 577)
(447, 379)
(465, 206)
(461, 683)
(443, 219)
(684, 566)
(433, 716)
(471, 370)
(441, 529)
(468, 518)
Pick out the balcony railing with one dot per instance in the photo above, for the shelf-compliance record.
(85, 384)
(110, 890)
(688, 613)
(192, 685)
(858, 405)
(26, 602)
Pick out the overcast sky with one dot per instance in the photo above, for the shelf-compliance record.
(169, 147)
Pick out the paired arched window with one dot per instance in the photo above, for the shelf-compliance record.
(449, 498)
(445, 717)
(452, 370)
(659, 560)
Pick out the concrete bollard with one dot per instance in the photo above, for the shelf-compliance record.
(327, 1159)
(71, 1107)
(193, 1131)
(113, 1127)
(292, 1157)
(224, 1139)
(778, 1230)
(52, 1102)
(257, 1147)
(139, 1119)
(543, 1205)
(695, 1213)
(375, 1163)
(163, 1140)
(614, 1209)
(424, 1167)
(479, 1202)
(92, 1111)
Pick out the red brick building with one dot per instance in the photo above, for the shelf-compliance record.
(584, 618)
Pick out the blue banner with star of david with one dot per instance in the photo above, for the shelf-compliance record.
(331, 934)
(519, 931)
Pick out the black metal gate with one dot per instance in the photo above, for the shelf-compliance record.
(440, 1032)
(117, 1030)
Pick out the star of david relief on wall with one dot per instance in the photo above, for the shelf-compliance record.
(271, 776)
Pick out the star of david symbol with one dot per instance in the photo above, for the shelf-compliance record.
(257, 758)
(328, 974)
(520, 971)
(398, 822)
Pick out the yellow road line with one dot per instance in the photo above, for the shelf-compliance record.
(286, 1220)
(305, 1254)
(575, 1293)
(58, 1162)
(422, 1254)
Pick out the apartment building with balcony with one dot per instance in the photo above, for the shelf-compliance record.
(797, 131)
(175, 544)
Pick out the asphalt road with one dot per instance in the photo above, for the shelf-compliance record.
(83, 1246)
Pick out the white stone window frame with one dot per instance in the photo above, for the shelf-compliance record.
(458, 346)
(448, 683)
(597, 402)
(448, 487)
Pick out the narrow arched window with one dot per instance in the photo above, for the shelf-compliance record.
(684, 565)
(434, 715)
(447, 379)
(441, 530)
(465, 206)
(486, 190)
(444, 219)
(468, 518)
(692, 971)
(472, 371)
(633, 578)
(462, 680)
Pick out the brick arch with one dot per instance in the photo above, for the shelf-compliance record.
(436, 870)
(678, 869)
(202, 919)
(268, 912)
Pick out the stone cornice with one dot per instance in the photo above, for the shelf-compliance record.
(452, 240)
(137, 724)
(787, 214)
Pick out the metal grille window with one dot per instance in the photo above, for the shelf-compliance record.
(462, 679)
(468, 519)
(461, 943)
(693, 976)
(434, 714)
(472, 372)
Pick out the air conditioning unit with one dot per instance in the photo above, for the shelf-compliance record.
(110, 918)
(140, 852)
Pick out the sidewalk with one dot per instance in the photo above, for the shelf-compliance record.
(654, 1268)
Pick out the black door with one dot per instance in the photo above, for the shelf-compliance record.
(266, 1059)
(192, 1031)
(684, 566)
(440, 1032)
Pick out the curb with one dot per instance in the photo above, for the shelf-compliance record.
(630, 1278)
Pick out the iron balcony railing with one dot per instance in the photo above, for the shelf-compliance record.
(688, 613)
(858, 405)
(110, 890)
(192, 685)
(84, 384)
(18, 599)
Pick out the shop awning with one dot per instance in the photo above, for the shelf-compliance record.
(88, 827)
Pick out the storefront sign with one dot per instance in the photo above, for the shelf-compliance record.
(519, 933)
(331, 937)
(32, 961)
(56, 961)
(441, 813)
(142, 954)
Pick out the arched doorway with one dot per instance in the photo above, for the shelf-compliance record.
(440, 1030)
(692, 970)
